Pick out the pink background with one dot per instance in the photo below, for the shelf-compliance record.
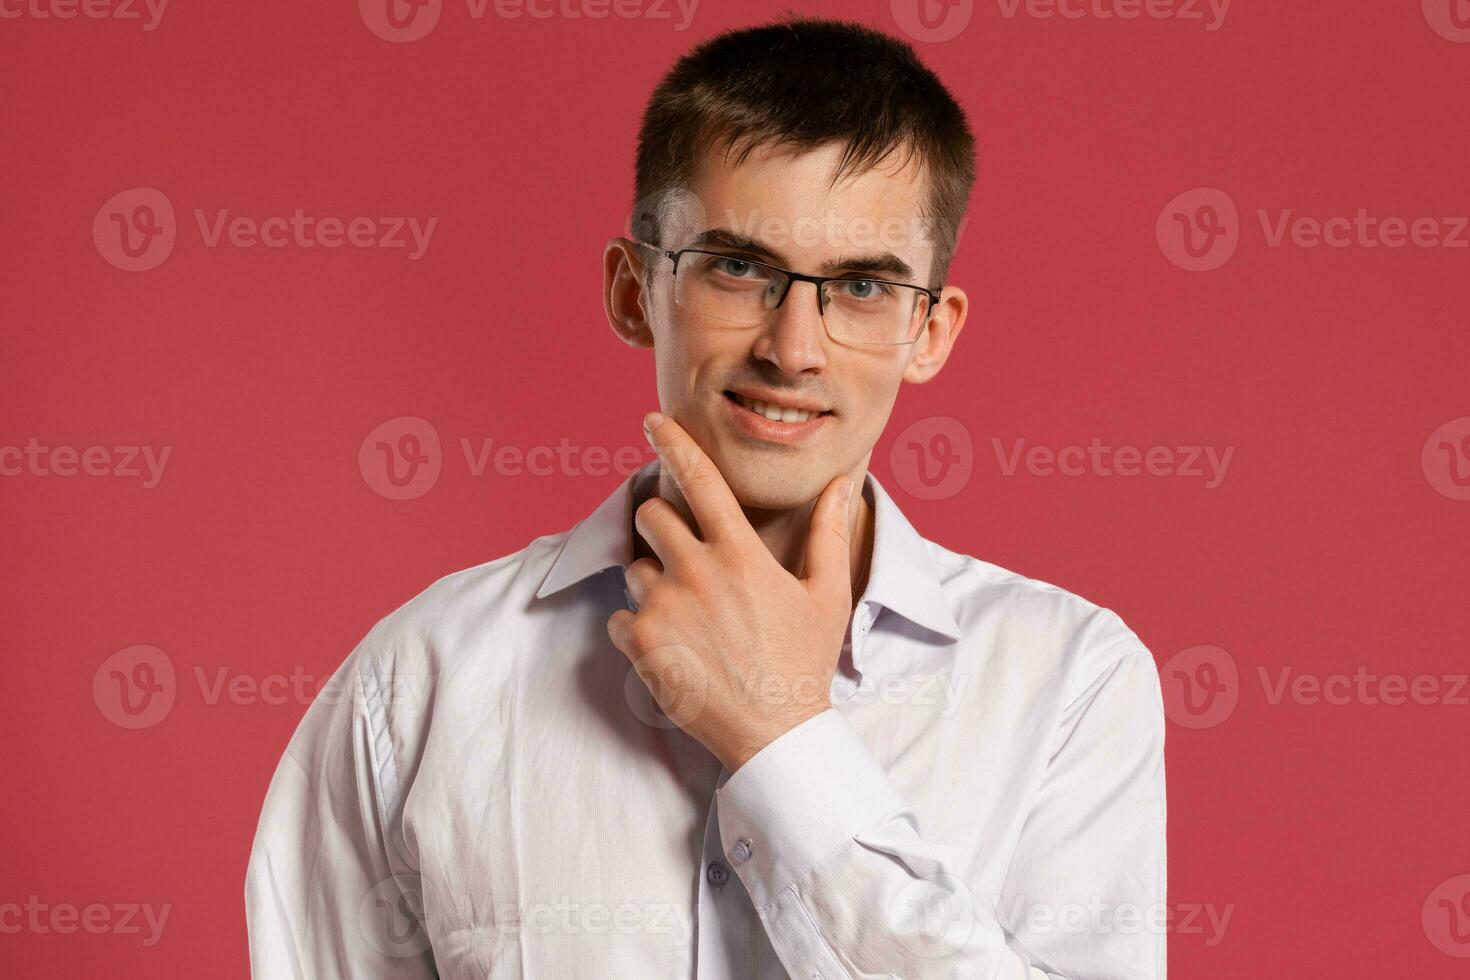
(1333, 835)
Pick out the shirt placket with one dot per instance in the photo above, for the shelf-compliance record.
(731, 938)
(728, 927)
(847, 680)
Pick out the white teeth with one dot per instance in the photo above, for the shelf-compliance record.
(775, 412)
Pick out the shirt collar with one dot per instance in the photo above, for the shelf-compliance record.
(903, 576)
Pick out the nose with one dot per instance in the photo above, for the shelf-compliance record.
(794, 338)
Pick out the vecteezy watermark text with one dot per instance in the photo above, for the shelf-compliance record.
(1200, 230)
(138, 686)
(36, 459)
(149, 12)
(1203, 686)
(1210, 13)
(136, 230)
(405, 21)
(935, 21)
(40, 918)
(402, 458)
(1097, 459)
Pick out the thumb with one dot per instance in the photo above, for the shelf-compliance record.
(827, 565)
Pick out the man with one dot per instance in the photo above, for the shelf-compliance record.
(743, 721)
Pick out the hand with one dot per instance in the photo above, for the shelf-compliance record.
(734, 648)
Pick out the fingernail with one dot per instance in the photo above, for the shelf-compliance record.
(650, 422)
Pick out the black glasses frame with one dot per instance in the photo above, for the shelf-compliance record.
(818, 281)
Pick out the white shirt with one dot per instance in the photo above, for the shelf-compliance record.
(486, 790)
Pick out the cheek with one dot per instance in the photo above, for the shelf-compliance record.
(686, 362)
(692, 360)
(872, 392)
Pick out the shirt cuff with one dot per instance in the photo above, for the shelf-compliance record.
(799, 799)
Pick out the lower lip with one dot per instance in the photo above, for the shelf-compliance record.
(760, 427)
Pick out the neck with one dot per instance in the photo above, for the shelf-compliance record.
(784, 530)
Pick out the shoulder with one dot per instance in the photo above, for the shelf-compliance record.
(1067, 640)
(449, 619)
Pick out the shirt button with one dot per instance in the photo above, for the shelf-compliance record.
(717, 874)
(741, 851)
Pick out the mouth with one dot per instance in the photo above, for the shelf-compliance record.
(780, 423)
(775, 411)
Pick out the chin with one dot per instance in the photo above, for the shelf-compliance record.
(763, 485)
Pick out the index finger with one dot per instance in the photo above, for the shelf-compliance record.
(703, 485)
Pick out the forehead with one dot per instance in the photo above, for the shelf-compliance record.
(788, 199)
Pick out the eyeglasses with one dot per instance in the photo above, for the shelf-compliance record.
(743, 291)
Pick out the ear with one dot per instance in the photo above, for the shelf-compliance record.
(623, 296)
(941, 331)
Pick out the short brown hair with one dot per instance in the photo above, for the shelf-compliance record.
(804, 82)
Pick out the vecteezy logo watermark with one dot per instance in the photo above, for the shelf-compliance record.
(1446, 917)
(671, 697)
(932, 21)
(391, 917)
(1201, 687)
(1450, 19)
(403, 21)
(933, 458)
(138, 687)
(402, 458)
(1446, 459)
(148, 12)
(935, 915)
(34, 459)
(136, 230)
(40, 918)
(400, 21)
(1200, 229)
(135, 687)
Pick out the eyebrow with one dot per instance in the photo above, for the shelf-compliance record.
(883, 264)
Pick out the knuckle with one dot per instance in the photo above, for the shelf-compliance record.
(698, 478)
(683, 458)
(644, 632)
(645, 569)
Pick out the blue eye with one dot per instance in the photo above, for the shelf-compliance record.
(864, 289)
(735, 267)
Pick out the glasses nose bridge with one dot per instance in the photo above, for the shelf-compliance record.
(790, 279)
(794, 338)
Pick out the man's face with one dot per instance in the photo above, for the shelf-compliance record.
(777, 207)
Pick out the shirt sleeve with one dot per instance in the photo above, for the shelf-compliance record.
(847, 887)
(328, 896)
